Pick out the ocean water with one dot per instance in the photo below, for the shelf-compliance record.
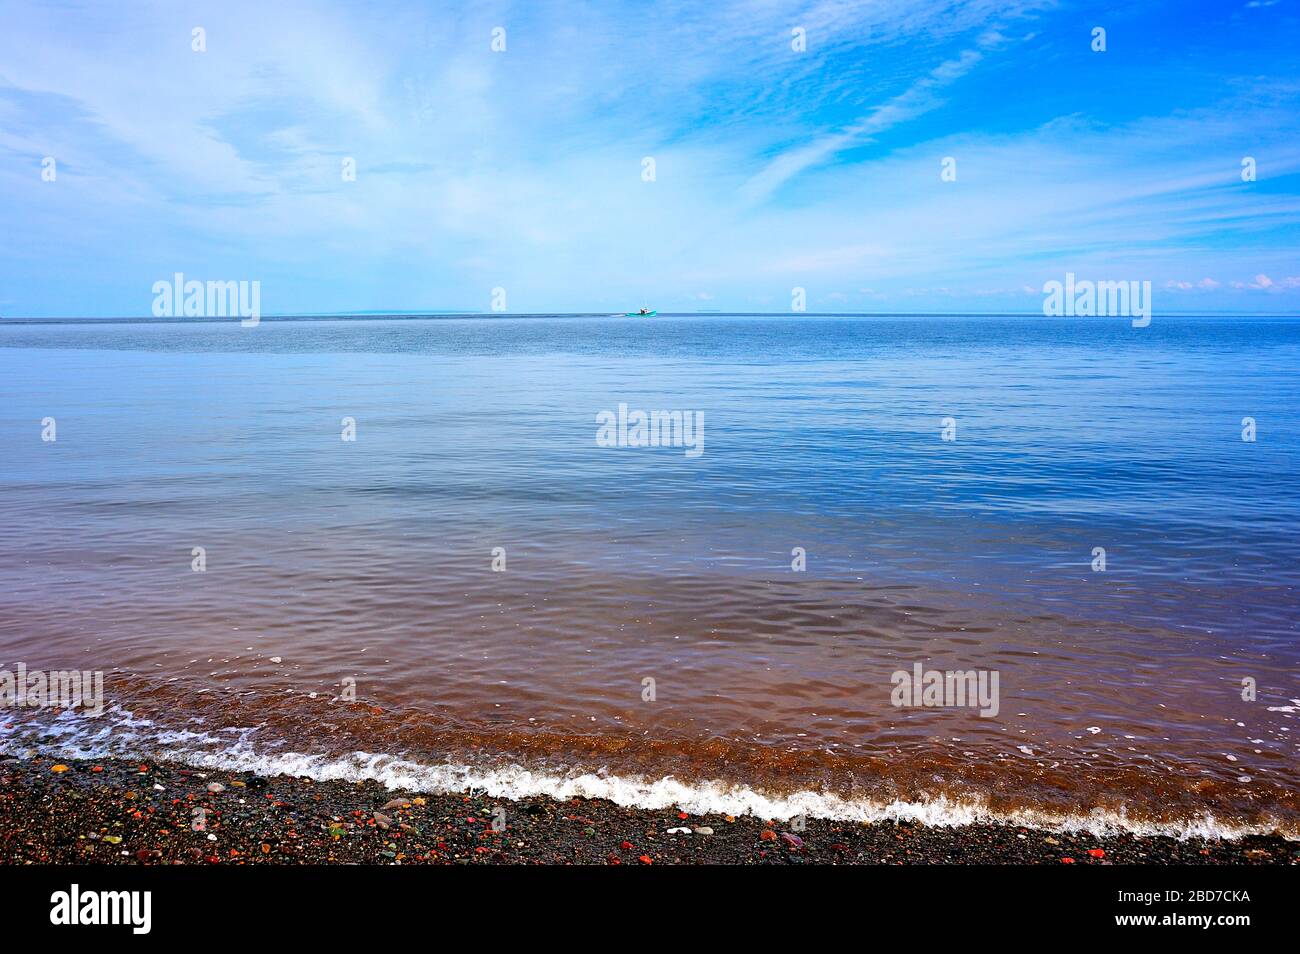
(349, 621)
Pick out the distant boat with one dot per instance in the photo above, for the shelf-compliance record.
(643, 313)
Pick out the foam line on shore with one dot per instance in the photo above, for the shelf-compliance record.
(232, 750)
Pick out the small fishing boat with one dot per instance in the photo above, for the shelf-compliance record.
(643, 313)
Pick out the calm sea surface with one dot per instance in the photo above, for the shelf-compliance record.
(350, 622)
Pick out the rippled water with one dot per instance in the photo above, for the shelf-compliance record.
(372, 560)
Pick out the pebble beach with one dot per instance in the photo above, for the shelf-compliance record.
(112, 812)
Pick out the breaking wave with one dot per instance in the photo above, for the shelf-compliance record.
(123, 735)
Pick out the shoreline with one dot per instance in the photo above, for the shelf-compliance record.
(111, 811)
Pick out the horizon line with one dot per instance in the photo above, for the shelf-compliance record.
(373, 315)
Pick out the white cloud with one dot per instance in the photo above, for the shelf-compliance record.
(525, 169)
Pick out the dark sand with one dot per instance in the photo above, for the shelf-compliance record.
(112, 812)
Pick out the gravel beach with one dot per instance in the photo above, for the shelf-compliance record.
(114, 812)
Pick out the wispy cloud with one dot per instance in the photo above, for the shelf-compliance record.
(917, 99)
(774, 167)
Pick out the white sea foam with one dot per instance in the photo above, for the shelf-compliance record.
(232, 749)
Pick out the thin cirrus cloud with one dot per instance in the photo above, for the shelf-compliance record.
(773, 167)
(916, 100)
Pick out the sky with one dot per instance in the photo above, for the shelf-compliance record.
(687, 156)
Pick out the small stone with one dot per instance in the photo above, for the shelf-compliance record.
(395, 803)
(703, 830)
(768, 835)
(794, 841)
(383, 821)
(58, 768)
(216, 788)
(1050, 840)
(679, 831)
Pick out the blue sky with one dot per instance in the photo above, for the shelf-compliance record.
(774, 168)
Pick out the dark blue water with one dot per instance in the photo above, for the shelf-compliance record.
(372, 559)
